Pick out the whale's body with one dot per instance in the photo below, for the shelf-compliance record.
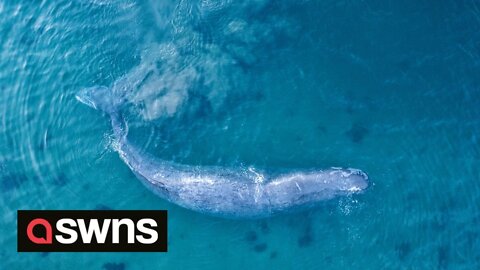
(227, 192)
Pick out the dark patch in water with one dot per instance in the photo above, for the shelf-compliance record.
(114, 266)
(403, 250)
(12, 181)
(251, 236)
(199, 105)
(102, 207)
(260, 247)
(322, 128)
(60, 180)
(442, 258)
(306, 239)
(357, 133)
(404, 65)
(245, 64)
(204, 109)
(350, 109)
(44, 254)
(328, 259)
(264, 228)
(258, 96)
(273, 255)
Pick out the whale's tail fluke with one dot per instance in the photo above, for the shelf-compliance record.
(109, 101)
(100, 98)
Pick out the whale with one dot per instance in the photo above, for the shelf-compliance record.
(241, 192)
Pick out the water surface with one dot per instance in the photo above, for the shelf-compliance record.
(389, 87)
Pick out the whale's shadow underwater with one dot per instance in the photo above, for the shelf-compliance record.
(225, 192)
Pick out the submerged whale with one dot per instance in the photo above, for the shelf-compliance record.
(219, 191)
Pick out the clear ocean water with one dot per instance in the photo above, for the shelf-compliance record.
(389, 87)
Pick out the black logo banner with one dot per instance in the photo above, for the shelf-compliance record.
(85, 230)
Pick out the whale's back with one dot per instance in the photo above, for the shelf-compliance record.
(237, 193)
(219, 191)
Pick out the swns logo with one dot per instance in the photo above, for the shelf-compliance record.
(99, 230)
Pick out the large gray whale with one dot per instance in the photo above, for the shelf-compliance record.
(219, 191)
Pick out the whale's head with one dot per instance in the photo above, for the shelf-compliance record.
(345, 180)
(310, 187)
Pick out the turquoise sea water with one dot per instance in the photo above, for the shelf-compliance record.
(389, 87)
